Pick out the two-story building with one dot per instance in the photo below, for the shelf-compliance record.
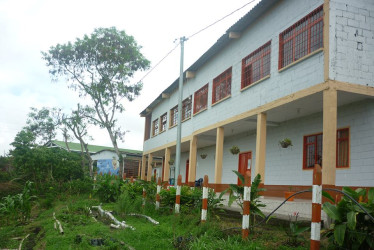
(289, 69)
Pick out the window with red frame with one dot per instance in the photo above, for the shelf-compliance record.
(302, 38)
(222, 86)
(186, 108)
(155, 127)
(173, 116)
(163, 121)
(200, 99)
(313, 149)
(256, 65)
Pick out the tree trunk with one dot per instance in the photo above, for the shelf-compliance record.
(90, 161)
(120, 158)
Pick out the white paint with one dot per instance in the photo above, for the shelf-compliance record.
(245, 222)
(247, 194)
(158, 189)
(203, 214)
(157, 204)
(178, 192)
(177, 208)
(300, 76)
(205, 192)
(315, 232)
(317, 194)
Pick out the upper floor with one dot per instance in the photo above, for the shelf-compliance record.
(278, 48)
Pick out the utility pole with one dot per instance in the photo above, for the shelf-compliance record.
(179, 124)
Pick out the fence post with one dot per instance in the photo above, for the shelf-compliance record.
(315, 234)
(124, 176)
(132, 179)
(158, 193)
(144, 196)
(205, 198)
(246, 204)
(178, 195)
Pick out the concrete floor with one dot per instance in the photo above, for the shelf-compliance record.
(303, 207)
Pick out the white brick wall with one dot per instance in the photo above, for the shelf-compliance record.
(359, 117)
(300, 76)
(352, 41)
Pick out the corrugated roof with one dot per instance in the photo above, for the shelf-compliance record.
(73, 146)
(242, 24)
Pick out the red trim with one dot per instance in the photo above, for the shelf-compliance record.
(222, 86)
(302, 38)
(342, 138)
(201, 99)
(256, 65)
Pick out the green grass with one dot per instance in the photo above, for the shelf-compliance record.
(174, 231)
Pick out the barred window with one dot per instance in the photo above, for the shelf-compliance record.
(313, 149)
(163, 121)
(302, 38)
(222, 86)
(256, 65)
(155, 127)
(201, 99)
(186, 108)
(173, 116)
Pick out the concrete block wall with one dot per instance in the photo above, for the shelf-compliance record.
(352, 41)
(359, 117)
(302, 75)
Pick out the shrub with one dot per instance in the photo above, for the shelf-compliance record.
(352, 228)
(108, 188)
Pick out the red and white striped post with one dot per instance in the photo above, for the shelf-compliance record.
(144, 195)
(315, 234)
(124, 176)
(158, 193)
(178, 195)
(132, 179)
(246, 204)
(205, 198)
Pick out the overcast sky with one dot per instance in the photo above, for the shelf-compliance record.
(31, 26)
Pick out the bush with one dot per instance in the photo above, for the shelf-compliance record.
(108, 187)
(352, 227)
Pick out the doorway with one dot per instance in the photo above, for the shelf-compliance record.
(245, 163)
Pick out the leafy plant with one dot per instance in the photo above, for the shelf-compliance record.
(285, 142)
(295, 230)
(108, 188)
(235, 150)
(237, 193)
(18, 207)
(352, 228)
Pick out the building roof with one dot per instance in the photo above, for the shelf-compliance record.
(74, 146)
(241, 25)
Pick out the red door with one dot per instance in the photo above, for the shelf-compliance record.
(187, 169)
(245, 162)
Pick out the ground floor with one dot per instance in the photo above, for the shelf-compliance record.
(330, 124)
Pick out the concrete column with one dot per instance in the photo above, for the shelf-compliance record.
(144, 161)
(149, 173)
(192, 163)
(330, 98)
(167, 165)
(219, 156)
(261, 146)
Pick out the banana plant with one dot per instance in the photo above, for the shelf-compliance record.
(352, 227)
(237, 192)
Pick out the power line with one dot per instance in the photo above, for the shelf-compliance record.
(210, 25)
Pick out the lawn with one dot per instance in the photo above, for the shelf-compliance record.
(184, 231)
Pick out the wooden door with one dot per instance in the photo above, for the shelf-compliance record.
(187, 170)
(245, 163)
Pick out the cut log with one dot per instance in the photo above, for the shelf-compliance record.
(145, 216)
